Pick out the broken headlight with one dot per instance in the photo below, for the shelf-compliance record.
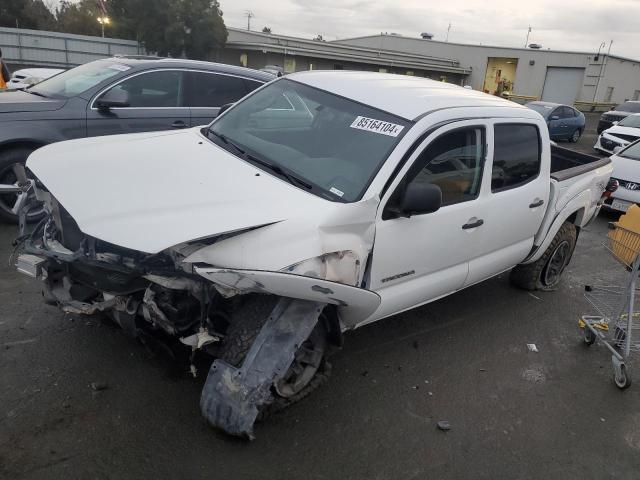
(341, 267)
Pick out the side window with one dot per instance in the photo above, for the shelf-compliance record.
(252, 85)
(213, 90)
(453, 162)
(516, 156)
(154, 89)
(567, 112)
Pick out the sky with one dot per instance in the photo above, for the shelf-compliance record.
(580, 25)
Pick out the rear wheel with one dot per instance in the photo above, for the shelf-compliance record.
(546, 272)
(10, 202)
(309, 369)
(575, 136)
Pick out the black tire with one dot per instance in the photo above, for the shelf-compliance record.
(246, 322)
(575, 136)
(535, 276)
(8, 158)
(589, 337)
(624, 380)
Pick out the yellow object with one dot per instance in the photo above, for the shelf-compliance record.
(625, 241)
(602, 325)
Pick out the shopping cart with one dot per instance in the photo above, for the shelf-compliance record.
(615, 325)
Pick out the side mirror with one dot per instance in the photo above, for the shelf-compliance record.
(617, 149)
(225, 107)
(554, 117)
(114, 98)
(420, 198)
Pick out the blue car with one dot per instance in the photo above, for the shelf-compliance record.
(564, 122)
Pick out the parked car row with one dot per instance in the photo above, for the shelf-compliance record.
(28, 77)
(563, 121)
(115, 95)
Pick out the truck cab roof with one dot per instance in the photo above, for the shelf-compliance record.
(402, 95)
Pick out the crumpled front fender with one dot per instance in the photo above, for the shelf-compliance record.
(354, 304)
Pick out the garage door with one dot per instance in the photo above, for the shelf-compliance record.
(562, 85)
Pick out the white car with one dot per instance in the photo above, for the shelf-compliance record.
(622, 133)
(30, 76)
(263, 236)
(626, 170)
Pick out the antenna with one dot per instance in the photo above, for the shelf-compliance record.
(249, 14)
(527, 40)
(448, 29)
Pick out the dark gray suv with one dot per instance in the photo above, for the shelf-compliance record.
(111, 96)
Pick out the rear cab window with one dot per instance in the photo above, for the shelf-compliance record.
(516, 155)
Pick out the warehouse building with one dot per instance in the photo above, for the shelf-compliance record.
(555, 76)
(291, 54)
(519, 73)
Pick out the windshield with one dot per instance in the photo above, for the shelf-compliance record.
(632, 151)
(632, 121)
(77, 80)
(629, 107)
(541, 109)
(332, 144)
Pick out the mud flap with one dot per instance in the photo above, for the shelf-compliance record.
(231, 396)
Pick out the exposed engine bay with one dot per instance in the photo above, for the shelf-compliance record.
(199, 305)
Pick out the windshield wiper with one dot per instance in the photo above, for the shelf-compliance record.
(292, 179)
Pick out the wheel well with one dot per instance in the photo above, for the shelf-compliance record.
(21, 144)
(332, 324)
(573, 219)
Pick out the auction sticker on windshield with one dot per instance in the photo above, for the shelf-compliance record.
(377, 126)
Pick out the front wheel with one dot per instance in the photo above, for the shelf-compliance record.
(309, 369)
(546, 272)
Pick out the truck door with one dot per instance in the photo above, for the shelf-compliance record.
(155, 103)
(514, 198)
(423, 257)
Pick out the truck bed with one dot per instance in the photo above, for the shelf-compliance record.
(567, 163)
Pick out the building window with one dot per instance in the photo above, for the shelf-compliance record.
(310, 66)
(243, 59)
(383, 70)
(410, 73)
(443, 78)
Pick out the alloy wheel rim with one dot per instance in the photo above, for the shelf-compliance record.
(556, 264)
(12, 202)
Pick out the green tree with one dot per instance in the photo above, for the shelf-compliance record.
(26, 14)
(80, 18)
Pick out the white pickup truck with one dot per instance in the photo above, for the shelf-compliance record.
(322, 202)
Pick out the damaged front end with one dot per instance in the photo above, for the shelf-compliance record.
(164, 296)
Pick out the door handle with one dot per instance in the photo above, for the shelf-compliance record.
(536, 203)
(475, 224)
(178, 124)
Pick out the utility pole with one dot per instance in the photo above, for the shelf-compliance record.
(249, 14)
(526, 42)
(448, 29)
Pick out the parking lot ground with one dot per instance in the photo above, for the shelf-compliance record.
(514, 413)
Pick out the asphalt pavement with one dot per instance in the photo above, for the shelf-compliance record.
(514, 413)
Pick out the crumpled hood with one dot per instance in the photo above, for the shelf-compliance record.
(151, 191)
(617, 130)
(13, 101)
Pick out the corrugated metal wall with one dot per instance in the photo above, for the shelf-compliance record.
(52, 49)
